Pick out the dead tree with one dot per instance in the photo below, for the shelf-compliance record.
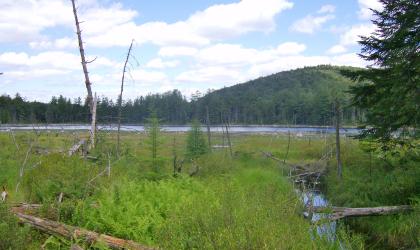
(120, 96)
(337, 138)
(93, 125)
(22, 168)
(288, 147)
(342, 212)
(208, 127)
(12, 134)
(71, 232)
(228, 138)
(76, 147)
(88, 84)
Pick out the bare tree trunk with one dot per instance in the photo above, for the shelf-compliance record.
(228, 138)
(12, 134)
(93, 126)
(288, 147)
(174, 155)
(23, 165)
(337, 139)
(341, 212)
(120, 97)
(71, 232)
(108, 169)
(82, 55)
(76, 147)
(223, 130)
(91, 104)
(208, 127)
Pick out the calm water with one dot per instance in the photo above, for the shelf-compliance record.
(327, 229)
(233, 129)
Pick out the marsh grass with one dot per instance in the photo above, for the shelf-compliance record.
(239, 202)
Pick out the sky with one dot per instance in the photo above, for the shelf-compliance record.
(193, 45)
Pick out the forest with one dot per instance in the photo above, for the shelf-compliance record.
(298, 97)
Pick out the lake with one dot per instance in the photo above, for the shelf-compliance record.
(251, 129)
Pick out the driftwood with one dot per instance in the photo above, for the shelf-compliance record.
(76, 147)
(71, 232)
(342, 212)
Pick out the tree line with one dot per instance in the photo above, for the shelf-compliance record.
(298, 97)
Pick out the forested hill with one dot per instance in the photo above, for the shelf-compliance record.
(297, 97)
(301, 96)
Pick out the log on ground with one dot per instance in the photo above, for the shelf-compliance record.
(342, 212)
(70, 232)
(76, 147)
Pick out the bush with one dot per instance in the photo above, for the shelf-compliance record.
(196, 143)
(56, 174)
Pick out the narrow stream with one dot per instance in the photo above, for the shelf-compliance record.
(327, 229)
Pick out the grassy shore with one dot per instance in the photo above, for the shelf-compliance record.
(239, 202)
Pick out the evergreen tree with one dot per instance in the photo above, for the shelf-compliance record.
(153, 141)
(196, 143)
(390, 89)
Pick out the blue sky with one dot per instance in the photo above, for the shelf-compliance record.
(192, 45)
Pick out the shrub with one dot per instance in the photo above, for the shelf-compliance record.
(196, 143)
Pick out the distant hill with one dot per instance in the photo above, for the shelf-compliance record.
(301, 96)
(297, 97)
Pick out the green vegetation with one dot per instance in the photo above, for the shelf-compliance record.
(302, 96)
(196, 143)
(232, 203)
(153, 139)
(390, 92)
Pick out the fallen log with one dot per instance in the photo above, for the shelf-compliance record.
(76, 147)
(342, 212)
(71, 232)
(271, 156)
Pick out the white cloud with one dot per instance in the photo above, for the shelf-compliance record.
(217, 22)
(233, 63)
(228, 20)
(290, 48)
(351, 37)
(337, 49)
(24, 20)
(311, 23)
(326, 9)
(158, 63)
(60, 43)
(236, 55)
(147, 77)
(172, 51)
(293, 62)
(210, 75)
(113, 25)
(46, 63)
(365, 7)
(51, 59)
